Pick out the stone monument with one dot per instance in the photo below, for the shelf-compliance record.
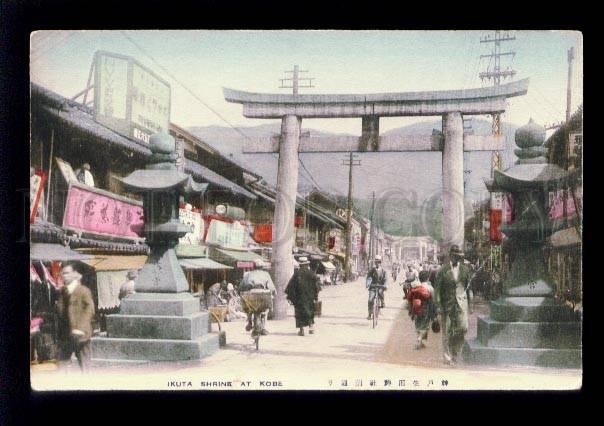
(161, 321)
(527, 325)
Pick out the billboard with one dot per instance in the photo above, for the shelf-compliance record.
(129, 98)
(227, 235)
(99, 212)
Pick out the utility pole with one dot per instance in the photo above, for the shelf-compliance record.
(571, 56)
(496, 74)
(350, 162)
(295, 80)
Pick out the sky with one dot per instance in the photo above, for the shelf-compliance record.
(198, 64)
(339, 61)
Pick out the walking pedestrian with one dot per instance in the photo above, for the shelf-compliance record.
(75, 308)
(451, 289)
(302, 291)
(421, 306)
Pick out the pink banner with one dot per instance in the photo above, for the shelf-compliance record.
(91, 210)
(556, 204)
(508, 208)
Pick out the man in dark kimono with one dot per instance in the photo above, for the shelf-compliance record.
(302, 291)
(451, 289)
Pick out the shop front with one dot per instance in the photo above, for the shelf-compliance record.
(110, 273)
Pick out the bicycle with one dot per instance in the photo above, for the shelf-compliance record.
(377, 303)
(257, 302)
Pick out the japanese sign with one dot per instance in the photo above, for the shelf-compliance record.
(180, 155)
(36, 186)
(557, 201)
(129, 98)
(193, 219)
(102, 212)
(263, 232)
(226, 234)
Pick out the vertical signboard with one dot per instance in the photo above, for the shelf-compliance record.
(111, 91)
(195, 221)
(129, 98)
(36, 187)
(180, 155)
(496, 216)
(150, 100)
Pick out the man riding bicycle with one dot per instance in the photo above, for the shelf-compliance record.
(258, 278)
(376, 284)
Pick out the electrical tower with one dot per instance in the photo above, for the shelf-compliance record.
(349, 161)
(494, 72)
(295, 80)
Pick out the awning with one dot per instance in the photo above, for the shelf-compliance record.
(240, 256)
(84, 121)
(116, 263)
(328, 265)
(191, 250)
(214, 178)
(202, 263)
(46, 252)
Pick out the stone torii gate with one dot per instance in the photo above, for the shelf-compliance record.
(452, 105)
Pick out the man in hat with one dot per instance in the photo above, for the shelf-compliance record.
(258, 278)
(302, 291)
(376, 283)
(451, 289)
(75, 308)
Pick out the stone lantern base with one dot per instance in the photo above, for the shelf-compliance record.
(533, 331)
(156, 327)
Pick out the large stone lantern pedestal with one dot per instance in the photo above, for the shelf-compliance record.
(527, 325)
(162, 321)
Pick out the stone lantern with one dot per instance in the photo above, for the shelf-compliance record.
(161, 321)
(527, 325)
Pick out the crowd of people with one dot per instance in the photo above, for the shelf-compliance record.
(438, 298)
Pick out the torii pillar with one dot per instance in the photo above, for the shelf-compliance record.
(452, 177)
(282, 261)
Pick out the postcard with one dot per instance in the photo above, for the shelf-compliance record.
(235, 210)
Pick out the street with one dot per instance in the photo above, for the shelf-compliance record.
(345, 353)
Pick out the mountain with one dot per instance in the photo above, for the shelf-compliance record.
(405, 175)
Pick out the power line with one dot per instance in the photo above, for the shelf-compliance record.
(553, 108)
(194, 95)
(183, 85)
